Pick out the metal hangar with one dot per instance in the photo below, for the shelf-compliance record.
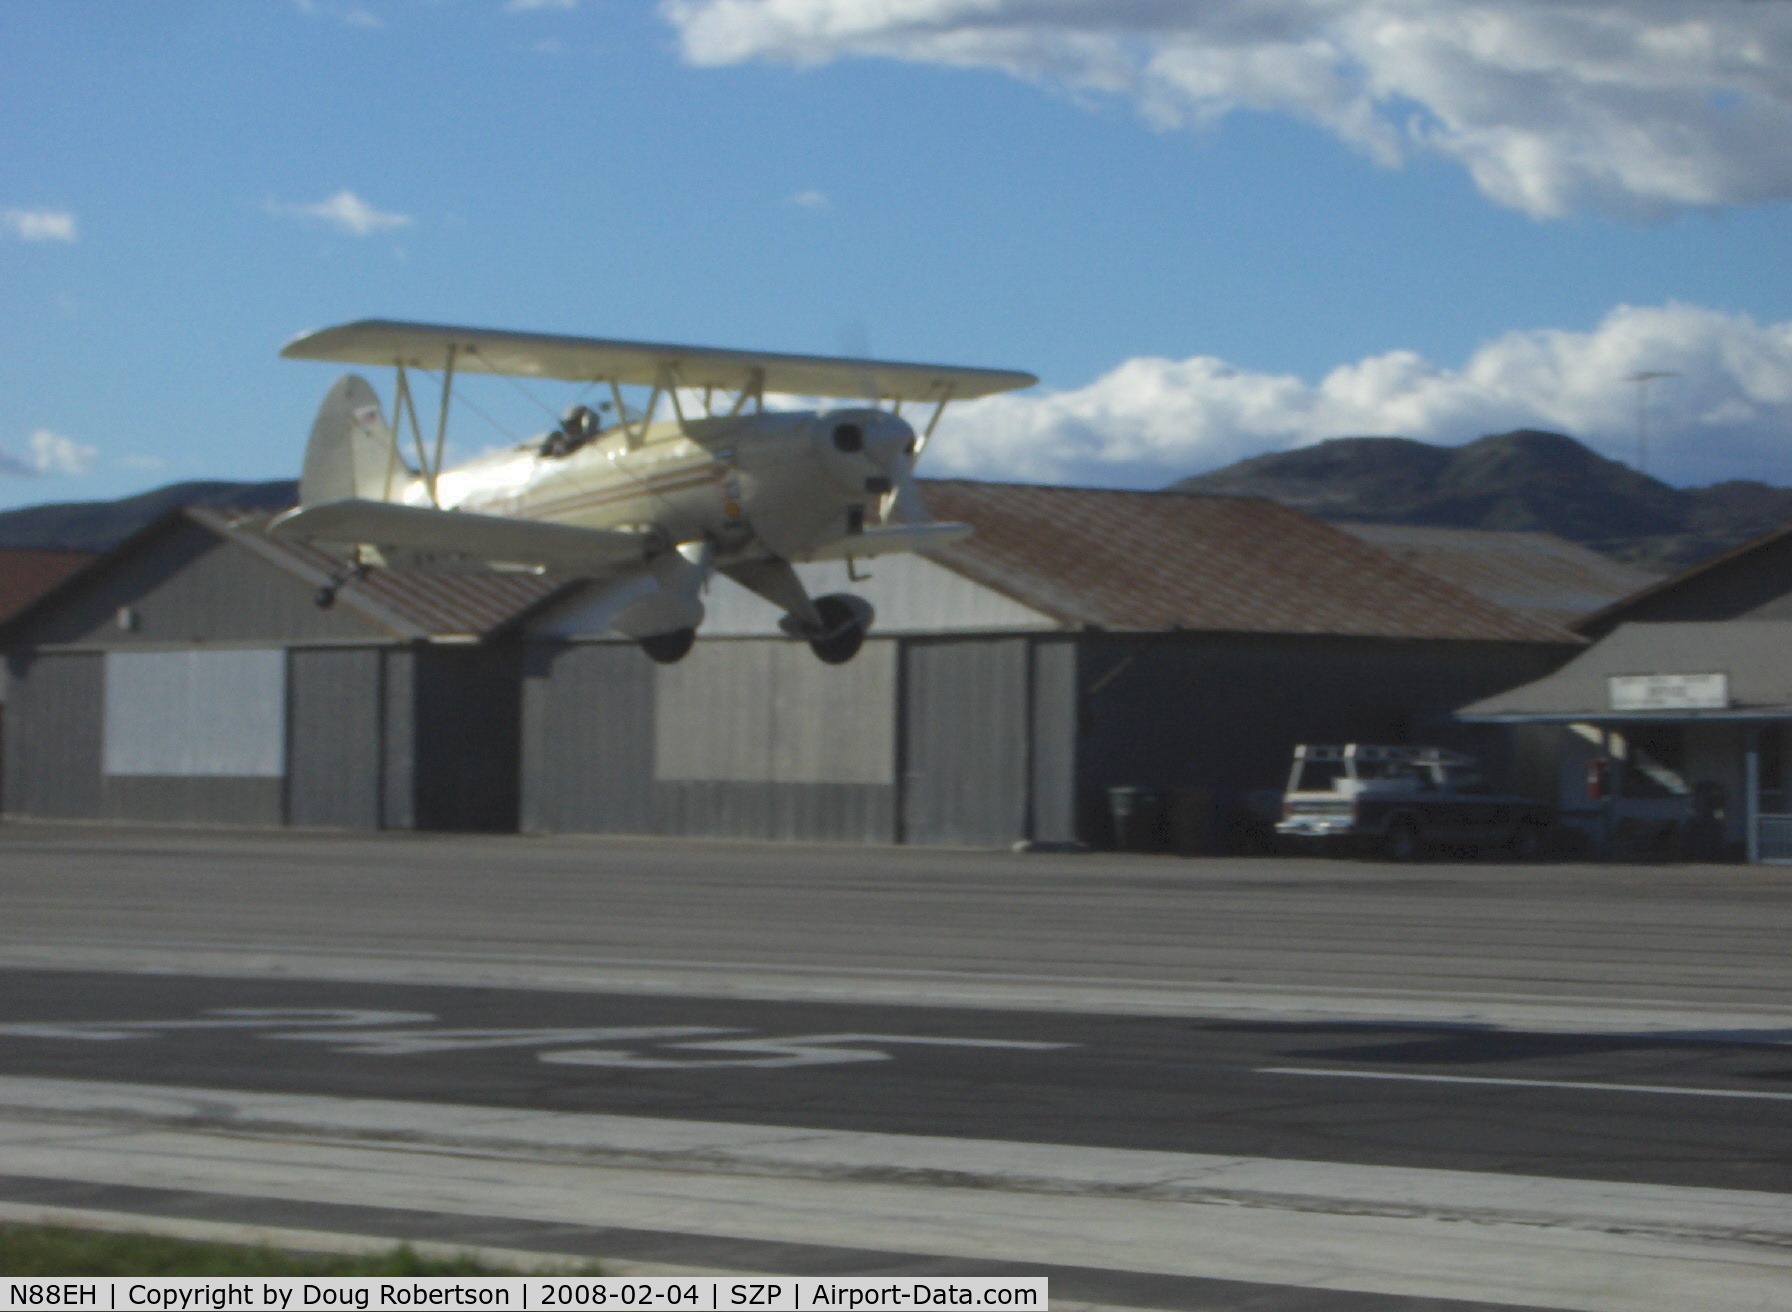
(1081, 638)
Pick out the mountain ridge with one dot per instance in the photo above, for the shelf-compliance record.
(1527, 479)
(97, 525)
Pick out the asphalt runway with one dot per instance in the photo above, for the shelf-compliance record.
(1648, 1108)
(1168, 1083)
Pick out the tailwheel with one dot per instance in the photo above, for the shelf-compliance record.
(843, 630)
(669, 648)
(325, 597)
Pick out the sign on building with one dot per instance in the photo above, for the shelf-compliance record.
(1669, 692)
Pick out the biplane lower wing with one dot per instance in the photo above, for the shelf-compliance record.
(889, 539)
(563, 548)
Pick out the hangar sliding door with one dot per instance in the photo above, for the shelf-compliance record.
(965, 727)
(587, 749)
(54, 735)
(337, 738)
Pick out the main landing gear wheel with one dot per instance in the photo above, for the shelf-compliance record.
(669, 648)
(844, 631)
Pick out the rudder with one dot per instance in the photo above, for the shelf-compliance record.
(352, 451)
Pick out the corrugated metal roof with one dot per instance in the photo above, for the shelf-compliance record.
(411, 603)
(1161, 560)
(27, 574)
(1536, 574)
(1692, 578)
(1755, 655)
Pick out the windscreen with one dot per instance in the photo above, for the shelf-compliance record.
(1317, 776)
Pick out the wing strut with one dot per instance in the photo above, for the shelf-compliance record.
(938, 410)
(404, 404)
(754, 391)
(435, 468)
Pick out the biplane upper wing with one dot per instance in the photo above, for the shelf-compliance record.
(595, 359)
(353, 521)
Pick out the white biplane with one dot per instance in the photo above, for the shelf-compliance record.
(649, 505)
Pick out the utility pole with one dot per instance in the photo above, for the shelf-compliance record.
(1642, 381)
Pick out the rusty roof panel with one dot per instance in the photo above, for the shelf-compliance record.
(1159, 560)
(27, 574)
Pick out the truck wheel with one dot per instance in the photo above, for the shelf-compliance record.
(1527, 841)
(1401, 842)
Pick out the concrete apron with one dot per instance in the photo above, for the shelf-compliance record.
(1516, 1240)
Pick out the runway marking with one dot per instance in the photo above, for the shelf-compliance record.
(354, 1032)
(1590, 1085)
(405, 1043)
(796, 1050)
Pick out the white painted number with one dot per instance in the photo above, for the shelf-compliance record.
(409, 1033)
(797, 1050)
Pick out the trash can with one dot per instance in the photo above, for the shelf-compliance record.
(1138, 815)
(1189, 815)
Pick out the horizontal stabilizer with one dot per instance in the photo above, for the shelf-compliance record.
(598, 359)
(890, 539)
(563, 548)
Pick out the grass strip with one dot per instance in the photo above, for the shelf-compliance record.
(57, 1251)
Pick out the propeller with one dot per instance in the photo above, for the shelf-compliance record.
(893, 446)
(902, 503)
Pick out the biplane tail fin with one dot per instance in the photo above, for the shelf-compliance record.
(352, 452)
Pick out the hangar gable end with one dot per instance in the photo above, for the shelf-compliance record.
(182, 582)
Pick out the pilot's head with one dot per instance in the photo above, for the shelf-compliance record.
(579, 422)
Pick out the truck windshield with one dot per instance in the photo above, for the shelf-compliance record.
(1317, 776)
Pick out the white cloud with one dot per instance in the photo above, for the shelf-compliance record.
(1635, 107)
(1727, 413)
(48, 453)
(812, 200)
(346, 212)
(38, 225)
(350, 15)
(525, 6)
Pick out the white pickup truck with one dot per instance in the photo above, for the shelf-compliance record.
(1399, 801)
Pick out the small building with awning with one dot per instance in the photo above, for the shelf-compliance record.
(1678, 719)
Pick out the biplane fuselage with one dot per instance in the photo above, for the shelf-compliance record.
(646, 509)
(771, 484)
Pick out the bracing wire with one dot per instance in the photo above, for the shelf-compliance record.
(461, 397)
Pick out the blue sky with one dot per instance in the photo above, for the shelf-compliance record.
(1212, 230)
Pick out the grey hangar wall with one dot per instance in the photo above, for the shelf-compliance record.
(396, 737)
(921, 740)
(189, 677)
(973, 740)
